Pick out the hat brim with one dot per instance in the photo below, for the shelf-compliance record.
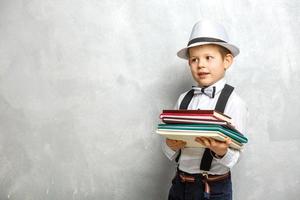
(183, 53)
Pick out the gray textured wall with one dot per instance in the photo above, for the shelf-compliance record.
(82, 84)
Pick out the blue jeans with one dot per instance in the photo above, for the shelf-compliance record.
(221, 190)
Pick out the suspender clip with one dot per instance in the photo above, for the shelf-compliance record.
(206, 185)
(205, 174)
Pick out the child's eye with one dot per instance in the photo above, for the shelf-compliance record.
(209, 57)
(194, 60)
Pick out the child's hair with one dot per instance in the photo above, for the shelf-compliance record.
(223, 51)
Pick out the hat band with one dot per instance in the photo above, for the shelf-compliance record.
(204, 39)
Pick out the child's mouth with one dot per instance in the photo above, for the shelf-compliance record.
(202, 74)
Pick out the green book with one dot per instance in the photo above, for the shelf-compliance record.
(205, 127)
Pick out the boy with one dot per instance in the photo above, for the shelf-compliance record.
(204, 173)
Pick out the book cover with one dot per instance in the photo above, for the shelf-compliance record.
(195, 114)
(189, 137)
(206, 127)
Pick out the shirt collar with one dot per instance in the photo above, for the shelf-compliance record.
(219, 85)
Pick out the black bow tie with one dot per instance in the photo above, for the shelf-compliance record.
(209, 91)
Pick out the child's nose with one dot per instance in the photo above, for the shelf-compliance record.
(201, 64)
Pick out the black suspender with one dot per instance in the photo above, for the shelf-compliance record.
(220, 107)
(186, 100)
(184, 105)
(223, 98)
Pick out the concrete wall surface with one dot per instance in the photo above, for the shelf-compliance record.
(82, 84)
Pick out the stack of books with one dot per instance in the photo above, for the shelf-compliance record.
(186, 125)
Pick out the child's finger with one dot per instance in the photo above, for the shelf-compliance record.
(179, 143)
(228, 141)
(171, 143)
(198, 139)
(205, 141)
(212, 142)
(183, 143)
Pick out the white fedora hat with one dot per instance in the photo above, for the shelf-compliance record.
(208, 32)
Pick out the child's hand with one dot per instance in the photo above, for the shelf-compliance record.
(220, 148)
(175, 144)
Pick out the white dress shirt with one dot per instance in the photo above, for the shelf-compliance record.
(191, 157)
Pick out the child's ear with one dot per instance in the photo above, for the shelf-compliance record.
(228, 59)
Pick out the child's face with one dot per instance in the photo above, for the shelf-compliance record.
(207, 64)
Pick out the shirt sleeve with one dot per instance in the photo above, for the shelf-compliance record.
(238, 111)
(230, 158)
(168, 151)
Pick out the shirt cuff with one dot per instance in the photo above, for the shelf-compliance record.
(230, 158)
(168, 151)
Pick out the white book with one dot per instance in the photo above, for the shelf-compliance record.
(190, 136)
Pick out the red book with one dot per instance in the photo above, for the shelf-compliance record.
(173, 120)
(209, 115)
